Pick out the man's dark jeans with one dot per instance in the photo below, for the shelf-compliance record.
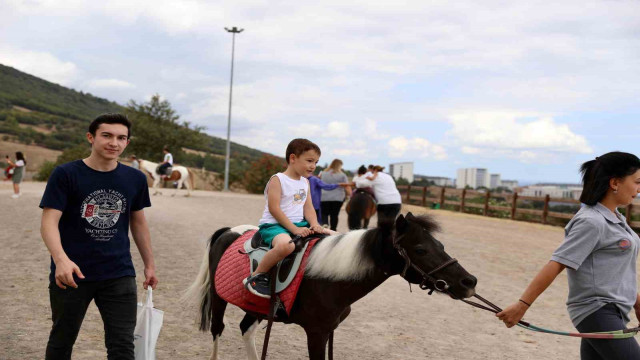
(116, 300)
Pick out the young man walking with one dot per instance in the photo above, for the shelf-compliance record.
(88, 207)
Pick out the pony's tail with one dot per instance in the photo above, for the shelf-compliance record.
(200, 291)
(191, 179)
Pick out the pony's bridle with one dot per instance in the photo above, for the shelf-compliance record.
(428, 281)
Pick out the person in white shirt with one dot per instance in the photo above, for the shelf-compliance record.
(386, 192)
(18, 172)
(166, 163)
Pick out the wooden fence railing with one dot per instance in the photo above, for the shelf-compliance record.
(425, 195)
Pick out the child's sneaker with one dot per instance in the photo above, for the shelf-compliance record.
(258, 285)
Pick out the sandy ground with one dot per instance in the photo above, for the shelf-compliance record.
(390, 323)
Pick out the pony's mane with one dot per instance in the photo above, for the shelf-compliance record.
(342, 257)
(354, 255)
(427, 222)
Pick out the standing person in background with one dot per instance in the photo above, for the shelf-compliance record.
(600, 253)
(315, 187)
(88, 208)
(386, 192)
(18, 172)
(332, 200)
(134, 162)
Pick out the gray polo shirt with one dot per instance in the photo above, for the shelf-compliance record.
(330, 177)
(600, 252)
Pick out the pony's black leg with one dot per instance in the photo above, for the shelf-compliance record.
(366, 223)
(218, 306)
(248, 327)
(317, 343)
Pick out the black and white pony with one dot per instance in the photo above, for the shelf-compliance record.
(341, 269)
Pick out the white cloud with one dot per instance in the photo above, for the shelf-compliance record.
(110, 84)
(40, 63)
(337, 129)
(515, 131)
(415, 148)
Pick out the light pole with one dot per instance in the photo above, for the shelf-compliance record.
(234, 30)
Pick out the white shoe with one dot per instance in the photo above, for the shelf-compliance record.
(15, 196)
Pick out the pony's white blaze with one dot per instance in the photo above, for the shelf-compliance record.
(249, 338)
(340, 260)
(241, 229)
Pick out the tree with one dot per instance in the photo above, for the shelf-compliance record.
(260, 171)
(402, 181)
(155, 125)
(77, 152)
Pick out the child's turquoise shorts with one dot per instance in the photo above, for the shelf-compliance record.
(269, 231)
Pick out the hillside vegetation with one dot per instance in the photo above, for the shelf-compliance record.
(34, 111)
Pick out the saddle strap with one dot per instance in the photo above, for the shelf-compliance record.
(273, 305)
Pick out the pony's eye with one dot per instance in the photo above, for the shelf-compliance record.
(421, 252)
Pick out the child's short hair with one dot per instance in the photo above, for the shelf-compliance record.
(298, 146)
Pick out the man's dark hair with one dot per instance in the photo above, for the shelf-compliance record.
(597, 173)
(298, 146)
(110, 118)
(362, 170)
(165, 148)
(370, 167)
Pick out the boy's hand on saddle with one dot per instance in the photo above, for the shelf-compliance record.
(302, 232)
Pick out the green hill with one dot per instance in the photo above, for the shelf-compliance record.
(38, 112)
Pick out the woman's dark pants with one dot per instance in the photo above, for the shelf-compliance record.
(607, 318)
(116, 300)
(330, 212)
(388, 212)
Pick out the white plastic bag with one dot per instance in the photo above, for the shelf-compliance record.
(148, 325)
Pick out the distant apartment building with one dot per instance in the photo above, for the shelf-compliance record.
(473, 177)
(402, 170)
(567, 191)
(509, 184)
(436, 180)
(495, 181)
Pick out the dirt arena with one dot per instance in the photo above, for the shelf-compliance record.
(390, 323)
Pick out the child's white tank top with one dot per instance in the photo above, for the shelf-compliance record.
(294, 195)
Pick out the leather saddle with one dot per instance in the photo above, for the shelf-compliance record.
(287, 268)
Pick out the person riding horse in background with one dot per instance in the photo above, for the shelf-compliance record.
(357, 181)
(288, 212)
(331, 200)
(600, 251)
(134, 162)
(163, 169)
(386, 193)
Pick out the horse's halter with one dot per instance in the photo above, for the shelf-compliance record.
(427, 278)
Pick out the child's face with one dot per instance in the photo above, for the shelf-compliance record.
(305, 164)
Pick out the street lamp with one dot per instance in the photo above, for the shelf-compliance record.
(234, 30)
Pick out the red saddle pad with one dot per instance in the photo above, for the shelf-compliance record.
(234, 267)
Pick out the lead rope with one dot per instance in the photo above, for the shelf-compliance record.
(616, 334)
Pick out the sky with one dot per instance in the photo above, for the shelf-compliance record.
(526, 89)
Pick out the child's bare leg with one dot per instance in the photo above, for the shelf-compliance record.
(281, 248)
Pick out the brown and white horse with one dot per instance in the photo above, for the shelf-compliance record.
(179, 173)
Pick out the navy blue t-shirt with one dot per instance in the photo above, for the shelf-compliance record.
(94, 227)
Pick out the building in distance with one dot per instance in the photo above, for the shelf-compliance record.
(473, 178)
(566, 191)
(402, 170)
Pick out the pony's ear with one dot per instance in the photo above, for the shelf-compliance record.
(401, 223)
(410, 215)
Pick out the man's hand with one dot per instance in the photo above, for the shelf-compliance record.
(150, 278)
(64, 273)
(302, 231)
